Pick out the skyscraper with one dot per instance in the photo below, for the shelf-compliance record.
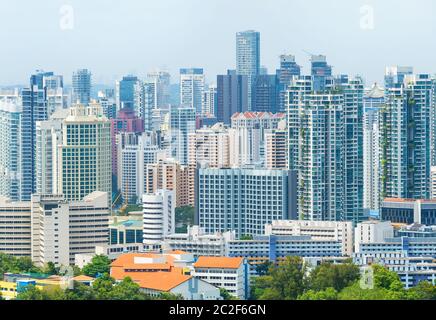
(405, 139)
(192, 88)
(288, 69)
(182, 123)
(373, 101)
(210, 101)
(264, 94)
(86, 154)
(325, 147)
(10, 146)
(232, 95)
(34, 109)
(125, 92)
(320, 71)
(162, 81)
(81, 87)
(248, 57)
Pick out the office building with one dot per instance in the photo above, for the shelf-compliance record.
(125, 92)
(288, 69)
(408, 211)
(232, 95)
(243, 200)
(15, 228)
(81, 87)
(84, 156)
(320, 71)
(192, 88)
(161, 81)
(61, 229)
(318, 230)
(265, 94)
(125, 231)
(433, 182)
(248, 58)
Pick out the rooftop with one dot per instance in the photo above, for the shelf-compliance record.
(218, 262)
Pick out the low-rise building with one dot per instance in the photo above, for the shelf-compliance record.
(408, 211)
(318, 230)
(158, 273)
(199, 243)
(228, 273)
(372, 231)
(274, 248)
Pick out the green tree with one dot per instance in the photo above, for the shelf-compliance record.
(50, 269)
(32, 293)
(327, 294)
(99, 264)
(170, 296)
(226, 295)
(184, 218)
(262, 269)
(288, 280)
(259, 286)
(383, 278)
(80, 291)
(246, 237)
(127, 290)
(336, 276)
(103, 287)
(423, 291)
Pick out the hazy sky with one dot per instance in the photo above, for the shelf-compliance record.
(116, 37)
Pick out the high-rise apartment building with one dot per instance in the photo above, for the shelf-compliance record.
(159, 217)
(405, 138)
(372, 101)
(326, 148)
(211, 146)
(161, 80)
(81, 87)
(10, 145)
(126, 121)
(210, 101)
(191, 88)
(248, 58)
(276, 148)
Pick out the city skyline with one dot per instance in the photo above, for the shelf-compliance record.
(98, 35)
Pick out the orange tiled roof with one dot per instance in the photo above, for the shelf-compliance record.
(161, 281)
(218, 262)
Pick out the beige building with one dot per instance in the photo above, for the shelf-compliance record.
(15, 231)
(62, 229)
(276, 149)
(210, 145)
(170, 175)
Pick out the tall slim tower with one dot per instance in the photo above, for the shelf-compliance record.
(248, 57)
(81, 86)
(192, 88)
(182, 123)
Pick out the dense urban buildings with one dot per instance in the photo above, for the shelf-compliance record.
(81, 86)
